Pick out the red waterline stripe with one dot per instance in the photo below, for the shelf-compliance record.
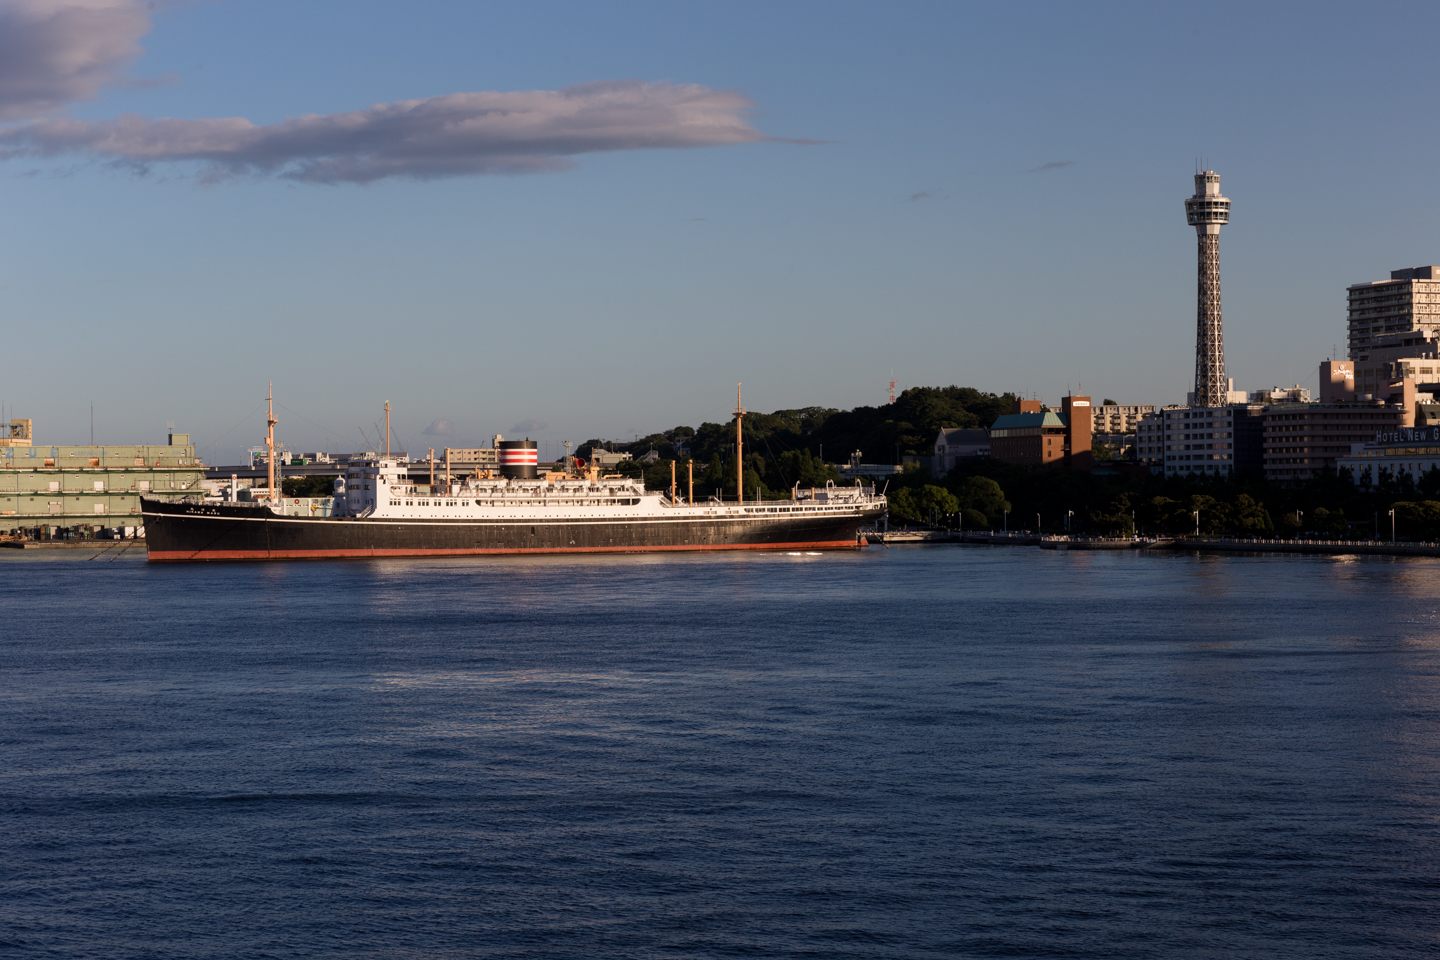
(175, 556)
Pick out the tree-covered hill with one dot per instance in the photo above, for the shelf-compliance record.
(882, 434)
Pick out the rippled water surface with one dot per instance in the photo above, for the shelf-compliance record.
(922, 752)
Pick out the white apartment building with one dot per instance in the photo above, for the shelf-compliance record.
(1408, 302)
(1198, 440)
(1118, 417)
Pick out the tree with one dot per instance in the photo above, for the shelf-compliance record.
(1420, 521)
(1116, 521)
(924, 503)
(973, 520)
(307, 486)
(902, 503)
(1249, 517)
(982, 494)
(804, 468)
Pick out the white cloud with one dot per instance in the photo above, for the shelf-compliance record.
(439, 428)
(54, 52)
(458, 134)
(529, 426)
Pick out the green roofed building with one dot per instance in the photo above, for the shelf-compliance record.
(1032, 436)
(45, 490)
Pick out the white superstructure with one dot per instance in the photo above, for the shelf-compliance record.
(383, 490)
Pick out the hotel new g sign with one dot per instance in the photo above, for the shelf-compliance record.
(1409, 435)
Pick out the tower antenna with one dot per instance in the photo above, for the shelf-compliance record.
(892, 386)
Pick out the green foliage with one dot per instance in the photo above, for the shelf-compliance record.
(1114, 522)
(937, 500)
(925, 504)
(1429, 485)
(902, 503)
(910, 424)
(804, 468)
(982, 495)
(1417, 521)
(974, 520)
(307, 486)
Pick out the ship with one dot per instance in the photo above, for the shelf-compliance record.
(380, 509)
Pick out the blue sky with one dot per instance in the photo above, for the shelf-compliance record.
(987, 195)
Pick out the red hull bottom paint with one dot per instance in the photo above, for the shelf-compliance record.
(191, 556)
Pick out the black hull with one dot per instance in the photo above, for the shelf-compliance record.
(190, 532)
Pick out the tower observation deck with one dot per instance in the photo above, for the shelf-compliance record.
(1207, 212)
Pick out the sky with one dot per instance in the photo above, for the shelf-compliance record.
(576, 220)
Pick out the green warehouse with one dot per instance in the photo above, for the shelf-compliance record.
(45, 490)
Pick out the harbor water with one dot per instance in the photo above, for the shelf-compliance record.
(914, 752)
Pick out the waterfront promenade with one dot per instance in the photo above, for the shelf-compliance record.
(1194, 544)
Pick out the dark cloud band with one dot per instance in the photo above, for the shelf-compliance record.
(459, 134)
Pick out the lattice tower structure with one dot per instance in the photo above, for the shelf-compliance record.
(1207, 211)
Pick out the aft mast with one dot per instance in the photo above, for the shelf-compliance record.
(739, 448)
(270, 422)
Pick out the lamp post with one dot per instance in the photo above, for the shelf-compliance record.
(1006, 527)
(1392, 524)
(1299, 519)
(1037, 524)
(1068, 515)
(1197, 524)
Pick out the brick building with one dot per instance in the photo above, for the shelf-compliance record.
(1034, 436)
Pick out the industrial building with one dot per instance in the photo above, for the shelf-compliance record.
(46, 490)
(1407, 303)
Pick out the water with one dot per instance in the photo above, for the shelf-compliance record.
(921, 752)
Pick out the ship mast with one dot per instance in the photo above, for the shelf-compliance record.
(739, 448)
(270, 422)
(387, 429)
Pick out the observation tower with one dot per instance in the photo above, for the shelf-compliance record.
(1207, 212)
